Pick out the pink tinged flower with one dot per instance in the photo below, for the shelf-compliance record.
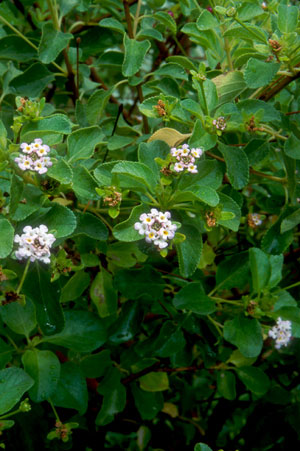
(140, 228)
(42, 151)
(46, 161)
(192, 168)
(26, 148)
(185, 147)
(161, 244)
(38, 141)
(154, 211)
(39, 167)
(197, 152)
(178, 167)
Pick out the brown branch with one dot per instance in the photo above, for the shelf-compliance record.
(279, 84)
(292, 112)
(156, 369)
(71, 77)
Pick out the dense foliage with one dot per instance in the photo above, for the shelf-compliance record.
(149, 224)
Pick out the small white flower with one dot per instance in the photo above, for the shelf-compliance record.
(156, 227)
(38, 160)
(24, 162)
(34, 244)
(281, 333)
(178, 167)
(26, 148)
(255, 217)
(197, 152)
(192, 168)
(43, 150)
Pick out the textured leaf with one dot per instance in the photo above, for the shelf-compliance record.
(206, 21)
(229, 86)
(103, 294)
(84, 185)
(245, 334)
(15, 48)
(258, 73)
(83, 332)
(32, 81)
(189, 251)
(90, 225)
(61, 172)
(229, 205)
(260, 269)
(7, 231)
(14, 383)
(254, 379)
(137, 171)
(52, 43)
(82, 142)
(71, 391)
(44, 368)
(154, 382)
(75, 286)
(226, 385)
(237, 165)
(292, 147)
(125, 231)
(192, 297)
(287, 18)
(135, 52)
(21, 319)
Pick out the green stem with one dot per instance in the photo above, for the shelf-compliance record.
(196, 4)
(54, 15)
(288, 287)
(227, 301)
(245, 26)
(54, 410)
(217, 325)
(14, 412)
(136, 19)
(23, 276)
(204, 98)
(151, 198)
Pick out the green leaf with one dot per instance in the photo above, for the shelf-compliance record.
(252, 33)
(44, 368)
(113, 24)
(290, 221)
(287, 18)
(149, 404)
(260, 269)
(7, 231)
(75, 286)
(61, 172)
(167, 20)
(229, 86)
(96, 105)
(125, 231)
(95, 365)
(59, 219)
(274, 241)
(228, 204)
(52, 43)
(84, 185)
(206, 21)
(172, 70)
(170, 340)
(32, 81)
(45, 296)
(154, 149)
(134, 283)
(202, 447)
(128, 323)
(91, 226)
(258, 73)
(82, 142)
(83, 332)
(114, 400)
(205, 194)
(71, 391)
(15, 48)
(200, 138)
(251, 106)
(292, 147)
(254, 379)
(210, 93)
(21, 319)
(54, 125)
(135, 52)
(192, 297)
(236, 164)
(189, 251)
(154, 382)
(245, 334)
(276, 262)
(103, 294)
(138, 171)
(209, 174)
(6, 352)
(248, 11)
(14, 383)
(226, 385)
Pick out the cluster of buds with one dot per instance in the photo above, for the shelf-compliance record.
(113, 197)
(161, 108)
(219, 123)
(281, 333)
(184, 158)
(34, 244)
(254, 220)
(34, 157)
(210, 219)
(156, 227)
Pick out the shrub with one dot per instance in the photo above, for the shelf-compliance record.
(149, 223)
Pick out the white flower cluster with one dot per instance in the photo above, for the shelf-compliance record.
(157, 227)
(185, 158)
(34, 244)
(34, 157)
(281, 333)
(255, 218)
